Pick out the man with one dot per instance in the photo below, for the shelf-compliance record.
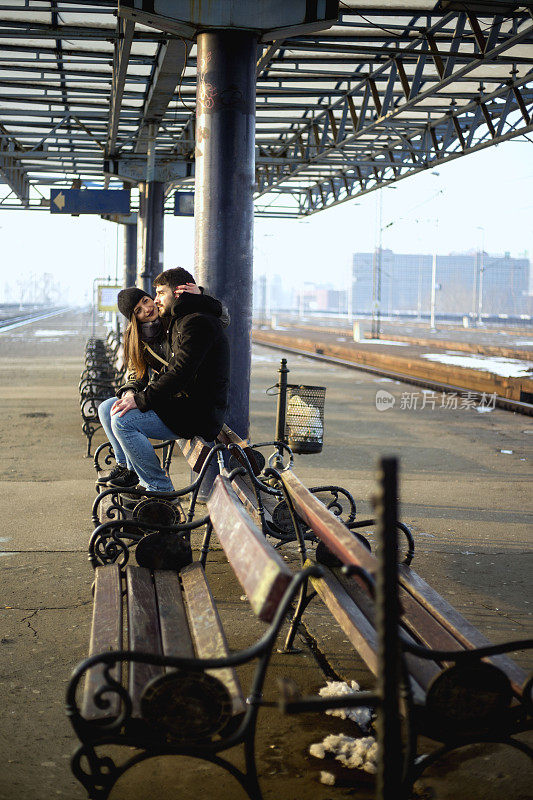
(187, 398)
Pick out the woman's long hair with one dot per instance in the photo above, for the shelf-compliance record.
(133, 348)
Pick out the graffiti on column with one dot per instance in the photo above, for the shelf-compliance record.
(206, 90)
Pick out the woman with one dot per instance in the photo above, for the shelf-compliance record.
(145, 353)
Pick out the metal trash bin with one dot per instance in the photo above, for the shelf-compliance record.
(304, 418)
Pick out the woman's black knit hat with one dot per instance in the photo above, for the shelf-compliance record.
(127, 299)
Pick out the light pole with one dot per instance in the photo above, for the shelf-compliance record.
(262, 280)
(376, 273)
(419, 294)
(481, 268)
(433, 292)
(376, 270)
(349, 299)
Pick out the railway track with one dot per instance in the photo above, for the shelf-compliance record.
(506, 403)
(8, 323)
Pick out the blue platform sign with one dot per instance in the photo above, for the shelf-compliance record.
(184, 204)
(90, 201)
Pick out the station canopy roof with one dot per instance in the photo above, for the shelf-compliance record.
(391, 89)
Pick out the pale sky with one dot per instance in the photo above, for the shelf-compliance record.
(491, 189)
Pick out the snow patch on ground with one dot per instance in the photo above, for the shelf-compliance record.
(353, 753)
(361, 716)
(49, 332)
(384, 341)
(507, 367)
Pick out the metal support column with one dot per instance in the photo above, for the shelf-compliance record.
(130, 254)
(389, 767)
(225, 169)
(150, 233)
(151, 218)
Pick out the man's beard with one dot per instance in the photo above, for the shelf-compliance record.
(164, 317)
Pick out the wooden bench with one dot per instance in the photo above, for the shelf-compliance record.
(458, 689)
(196, 451)
(265, 504)
(241, 453)
(114, 510)
(159, 677)
(106, 502)
(98, 381)
(111, 542)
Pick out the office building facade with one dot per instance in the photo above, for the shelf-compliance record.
(406, 283)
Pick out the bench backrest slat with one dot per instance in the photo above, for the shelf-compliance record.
(421, 670)
(227, 436)
(143, 630)
(468, 636)
(432, 620)
(206, 629)
(260, 570)
(354, 623)
(106, 634)
(327, 527)
(417, 618)
(245, 492)
(195, 451)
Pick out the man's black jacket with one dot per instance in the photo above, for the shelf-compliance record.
(191, 395)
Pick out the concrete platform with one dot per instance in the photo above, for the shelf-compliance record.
(465, 490)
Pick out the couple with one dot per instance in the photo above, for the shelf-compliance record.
(180, 337)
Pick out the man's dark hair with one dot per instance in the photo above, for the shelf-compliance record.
(173, 277)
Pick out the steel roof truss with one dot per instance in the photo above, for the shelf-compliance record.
(171, 62)
(10, 170)
(321, 123)
(432, 150)
(121, 57)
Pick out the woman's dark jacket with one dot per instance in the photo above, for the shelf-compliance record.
(190, 395)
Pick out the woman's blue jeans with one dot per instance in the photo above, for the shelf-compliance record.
(129, 436)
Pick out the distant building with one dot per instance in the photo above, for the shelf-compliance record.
(310, 297)
(277, 295)
(269, 294)
(406, 283)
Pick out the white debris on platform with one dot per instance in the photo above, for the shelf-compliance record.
(260, 358)
(49, 332)
(384, 341)
(361, 715)
(351, 753)
(304, 419)
(484, 409)
(506, 367)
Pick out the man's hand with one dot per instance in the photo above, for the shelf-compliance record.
(126, 403)
(191, 288)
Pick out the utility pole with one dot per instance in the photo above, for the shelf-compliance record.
(433, 292)
(376, 274)
(481, 268)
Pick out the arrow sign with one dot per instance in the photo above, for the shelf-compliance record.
(59, 200)
(89, 201)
